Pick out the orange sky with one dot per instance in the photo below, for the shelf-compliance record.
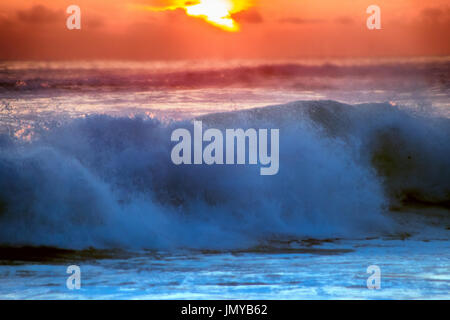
(263, 29)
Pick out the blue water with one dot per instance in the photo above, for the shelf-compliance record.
(412, 269)
(85, 168)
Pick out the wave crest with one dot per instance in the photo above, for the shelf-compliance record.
(104, 181)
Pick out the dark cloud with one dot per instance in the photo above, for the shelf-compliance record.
(93, 22)
(248, 16)
(174, 15)
(344, 20)
(300, 20)
(436, 15)
(39, 14)
(432, 13)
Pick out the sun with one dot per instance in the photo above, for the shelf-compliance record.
(216, 12)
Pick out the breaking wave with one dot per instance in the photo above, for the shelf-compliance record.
(108, 182)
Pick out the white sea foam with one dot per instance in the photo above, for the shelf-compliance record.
(103, 181)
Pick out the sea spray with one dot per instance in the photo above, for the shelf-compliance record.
(109, 182)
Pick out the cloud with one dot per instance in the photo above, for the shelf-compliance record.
(432, 13)
(436, 15)
(293, 20)
(39, 14)
(93, 22)
(344, 20)
(248, 16)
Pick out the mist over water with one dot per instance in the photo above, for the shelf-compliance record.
(180, 90)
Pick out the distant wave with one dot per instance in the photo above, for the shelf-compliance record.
(92, 78)
(108, 182)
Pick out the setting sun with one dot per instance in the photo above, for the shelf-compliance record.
(216, 12)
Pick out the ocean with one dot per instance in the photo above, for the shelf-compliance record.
(86, 179)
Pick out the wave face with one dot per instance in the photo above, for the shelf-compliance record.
(108, 182)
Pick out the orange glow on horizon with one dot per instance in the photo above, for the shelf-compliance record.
(222, 29)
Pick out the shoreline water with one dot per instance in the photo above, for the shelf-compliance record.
(337, 270)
